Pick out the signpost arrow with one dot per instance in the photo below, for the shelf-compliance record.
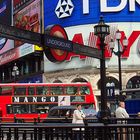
(58, 43)
(66, 45)
(14, 33)
(86, 50)
(47, 41)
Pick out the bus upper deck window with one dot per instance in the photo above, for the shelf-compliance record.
(46, 90)
(84, 90)
(31, 91)
(6, 90)
(20, 90)
(56, 90)
(42, 90)
(71, 90)
(39, 90)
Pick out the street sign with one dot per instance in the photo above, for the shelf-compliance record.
(45, 40)
(14, 33)
(58, 43)
(66, 45)
(86, 50)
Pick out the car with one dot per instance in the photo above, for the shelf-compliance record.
(64, 114)
(61, 114)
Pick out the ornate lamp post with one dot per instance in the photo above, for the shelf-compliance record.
(102, 30)
(15, 72)
(119, 53)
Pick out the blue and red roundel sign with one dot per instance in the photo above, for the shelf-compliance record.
(56, 55)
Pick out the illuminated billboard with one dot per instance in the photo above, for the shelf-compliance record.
(6, 14)
(78, 12)
(28, 19)
(20, 4)
(79, 18)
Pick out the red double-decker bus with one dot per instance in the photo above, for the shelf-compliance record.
(33, 100)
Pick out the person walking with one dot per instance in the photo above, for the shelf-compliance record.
(121, 113)
(78, 118)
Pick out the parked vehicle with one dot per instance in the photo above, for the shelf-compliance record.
(63, 114)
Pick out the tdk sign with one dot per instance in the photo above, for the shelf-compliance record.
(78, 12)
(64, 8)
(116, 8)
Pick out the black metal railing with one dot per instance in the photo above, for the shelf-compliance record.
(112, 120)
(117, 129)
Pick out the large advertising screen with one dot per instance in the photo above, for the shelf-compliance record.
(78, 12)
(20, 4)
(28, 19)
(6, 14)
(79, 19)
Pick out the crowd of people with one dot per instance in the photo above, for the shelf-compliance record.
(79, 116)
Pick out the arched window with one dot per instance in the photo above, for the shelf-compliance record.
(134, 82)
(57, 81)
(81, 80)
(109, 81)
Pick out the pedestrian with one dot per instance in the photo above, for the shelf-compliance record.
(121, 113)
(108, 113)
(78, 118)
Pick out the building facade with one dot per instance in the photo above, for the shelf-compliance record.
(78, 19)
(27, 15)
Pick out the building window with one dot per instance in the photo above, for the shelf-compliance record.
(134, 82)
(109, 80)
(57, 81)
(81, 80)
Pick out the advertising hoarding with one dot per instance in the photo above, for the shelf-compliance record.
(32, 79)
(73, 12)
(16, 53)
(6, 14)
(79, 25)
(28, 19)
(20, 4)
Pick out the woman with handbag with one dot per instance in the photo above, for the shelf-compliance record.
(78, 118)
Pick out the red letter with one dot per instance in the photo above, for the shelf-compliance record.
(77, 39)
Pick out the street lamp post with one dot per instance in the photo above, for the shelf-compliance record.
(102, 30)
(119, 53)
(15, 72)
